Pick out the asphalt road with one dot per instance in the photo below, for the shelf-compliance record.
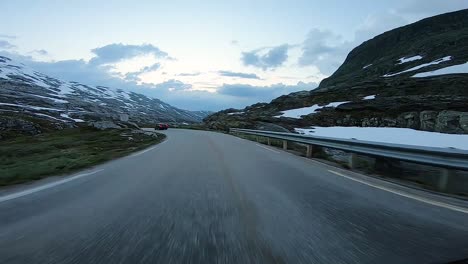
(204, 197)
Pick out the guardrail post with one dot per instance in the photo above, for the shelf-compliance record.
(442, 183)
(269, 141)
(285, 144)
(352, 160)
(309, 151)
(257, 139)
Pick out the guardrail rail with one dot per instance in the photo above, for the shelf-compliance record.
(445, 158)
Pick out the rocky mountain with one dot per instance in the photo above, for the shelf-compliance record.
(414, 76)
(31, 100)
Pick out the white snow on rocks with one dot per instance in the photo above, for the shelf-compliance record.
(410, 59)
(403, 136)
(444, 59)
(48, 116)
(74, 119)
(369, 97)
(59, 101)
(297, 113)
(32, 107)
(367, 66)
(455, 69)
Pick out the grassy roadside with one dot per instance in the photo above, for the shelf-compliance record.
(27, 158)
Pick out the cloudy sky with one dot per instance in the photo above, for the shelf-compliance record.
(200, 55)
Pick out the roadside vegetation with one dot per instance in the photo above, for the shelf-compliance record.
(27, 158)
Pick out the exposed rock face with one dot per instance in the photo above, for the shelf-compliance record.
(17, 125)
(123, 117)
(428, 120)
(449, 122)
(464, 122)
(386, 93)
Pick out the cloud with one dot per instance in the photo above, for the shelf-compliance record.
(377, 24)
(134, 76)
(117, 52)
(174, 92)
(172, 85)
(327, 50)
(6, 45)
(98, 70)
(3, 36)
(266, 58)
(41, 52)
(238, 74)
(188, 74)
(323, 49)
(263, 93)
(234, 42)
(432, 7)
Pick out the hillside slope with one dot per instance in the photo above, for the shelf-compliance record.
(415, 77)
(30, 99)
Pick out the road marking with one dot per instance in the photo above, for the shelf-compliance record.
(45, 186)
(268, 148)
(142, 152)
(146, 150)
(407, 195)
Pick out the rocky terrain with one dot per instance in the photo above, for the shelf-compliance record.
(31, 102)
(415, 77)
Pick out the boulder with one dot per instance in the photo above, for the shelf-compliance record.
(428, 120)
(464, 122)
(409, 120)
(449, 122)
(123, 117)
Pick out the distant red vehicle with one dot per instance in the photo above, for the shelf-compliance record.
(162, 126)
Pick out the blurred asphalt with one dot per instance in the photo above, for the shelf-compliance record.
(203, 197)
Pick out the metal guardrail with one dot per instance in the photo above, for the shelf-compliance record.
(440, 157)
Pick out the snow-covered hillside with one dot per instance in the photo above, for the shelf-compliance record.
(25, 91)
(393, 135)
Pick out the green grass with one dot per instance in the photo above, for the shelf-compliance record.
(27, 158)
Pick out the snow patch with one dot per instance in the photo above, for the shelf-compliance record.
(455, 69)
(405, 136)
(74, 119)
(60, 101)
(51, 117)
(444, 59)
(236, 113)
(369, 97)
(367, 66)
(297, 113)
(410, 59)
(32, 107)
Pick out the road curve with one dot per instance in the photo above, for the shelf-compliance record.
(203, 197)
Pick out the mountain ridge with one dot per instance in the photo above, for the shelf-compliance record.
(26, 94)
(401, 69)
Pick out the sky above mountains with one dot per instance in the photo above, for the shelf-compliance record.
(200, 55)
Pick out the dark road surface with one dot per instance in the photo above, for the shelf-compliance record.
(203, 197)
